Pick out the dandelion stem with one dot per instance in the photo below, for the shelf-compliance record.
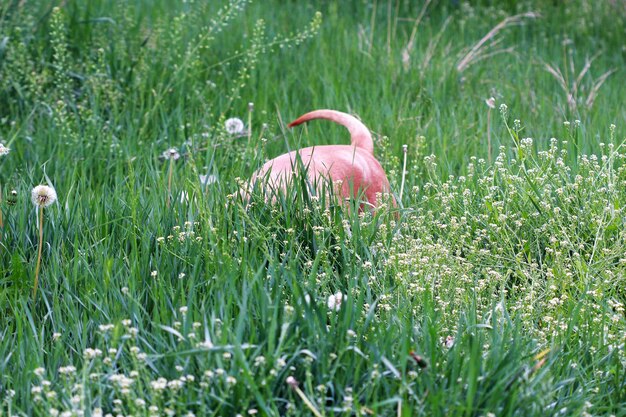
(489, 135)
(250, 108)
(39, 252)
(1, 219)
(307, 402)
(404, 149)
(169, 182)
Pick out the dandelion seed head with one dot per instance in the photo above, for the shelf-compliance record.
(171, 153)
(291, 381)
(334, 301)
(234, 126)
(43, 195)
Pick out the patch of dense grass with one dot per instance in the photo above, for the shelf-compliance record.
(498, 289)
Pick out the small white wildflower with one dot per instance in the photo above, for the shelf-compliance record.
(205, 345)
(66, 370)
(4, 150)
(175, 384)
(43, 195)
(90, 353)
(181, 275)
(107, 327)
(39, 371)
(183, 309)
(159, 385)
(491, 102)
(234, 126)
(154, 273)
(334, 301)
(171, 153)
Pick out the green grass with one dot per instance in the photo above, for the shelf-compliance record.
(504, 271)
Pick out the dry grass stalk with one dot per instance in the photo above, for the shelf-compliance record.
(477, 52)
(406, 51)
(572, 93)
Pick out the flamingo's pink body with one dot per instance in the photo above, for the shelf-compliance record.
(353, 167)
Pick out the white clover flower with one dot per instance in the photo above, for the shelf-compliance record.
(4, 150)
(234, 126)
(183, 309)
(491, 102)
(43, 195)
(334, 301)
(171, 153)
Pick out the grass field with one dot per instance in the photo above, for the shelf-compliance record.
(495, 288)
